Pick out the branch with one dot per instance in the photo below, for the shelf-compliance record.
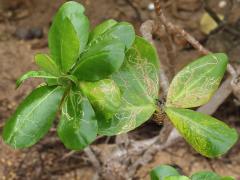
(220, 96)
(135, 8)
(174, 29)
(147, 29)
(93, 159)
(148, 155)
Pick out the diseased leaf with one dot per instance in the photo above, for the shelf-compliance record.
(138, 83)
(78, 124)
(122, 31)
(195, 84)
(47, 64)
(163, 171)
(228, 178)
(104, 96)
(35, 74)
(33, 117)
(101, 29)
(205, 175)
(100, 60)
(176, 178)
(68, 35)
(207, 135)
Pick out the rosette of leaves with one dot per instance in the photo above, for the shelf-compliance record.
(166, 172)
(193, 86)
(103, 81)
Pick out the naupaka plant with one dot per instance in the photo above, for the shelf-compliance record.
(105, 82)
(166, 172)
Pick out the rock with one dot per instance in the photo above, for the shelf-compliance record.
(29, 33)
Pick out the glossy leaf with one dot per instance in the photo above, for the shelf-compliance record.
(64, 44)
(34, 74)
(138, 83)
(78, 124)
(176, 178)
(205, 175)
(122, 31)
(195, 84)
(47, 64)
(228, 178)
(33, 117)
(68, 35)
(63, 80)
(101, 29)
(104, 96)
(207, 135)
(100, 60)
(70, 78)
(163, 171)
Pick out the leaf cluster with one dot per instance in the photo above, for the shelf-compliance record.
(165, 172)
(105, 82)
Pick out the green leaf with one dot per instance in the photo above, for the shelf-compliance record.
(176, 178)
(104, 96)
(63, 80)
(207, 135)
(35, 74)
(163, 171)
(33, 117)
(71, 78)
(122, 31)
(47, 64)
(205, 175)
(228, 178)
(64, 44)
(195, 84)
(101, 29)
(78, 124)
(138, 83)
(100, 60)
(68, 35)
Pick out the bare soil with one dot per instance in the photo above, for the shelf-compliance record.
(49, 159)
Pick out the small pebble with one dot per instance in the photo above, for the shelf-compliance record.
(222, 4)
(151, 6)
(36, 32)
(29, 33)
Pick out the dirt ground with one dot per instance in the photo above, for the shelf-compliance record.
(49, 159)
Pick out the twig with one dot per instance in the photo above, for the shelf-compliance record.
(167, 41)
(148, 155)
(195, 43)
(220, 96)
(222, 24)
(146, 31)
(135, 8)
(177, 30)
(93, 158)
(68, 155)
(212, 13)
